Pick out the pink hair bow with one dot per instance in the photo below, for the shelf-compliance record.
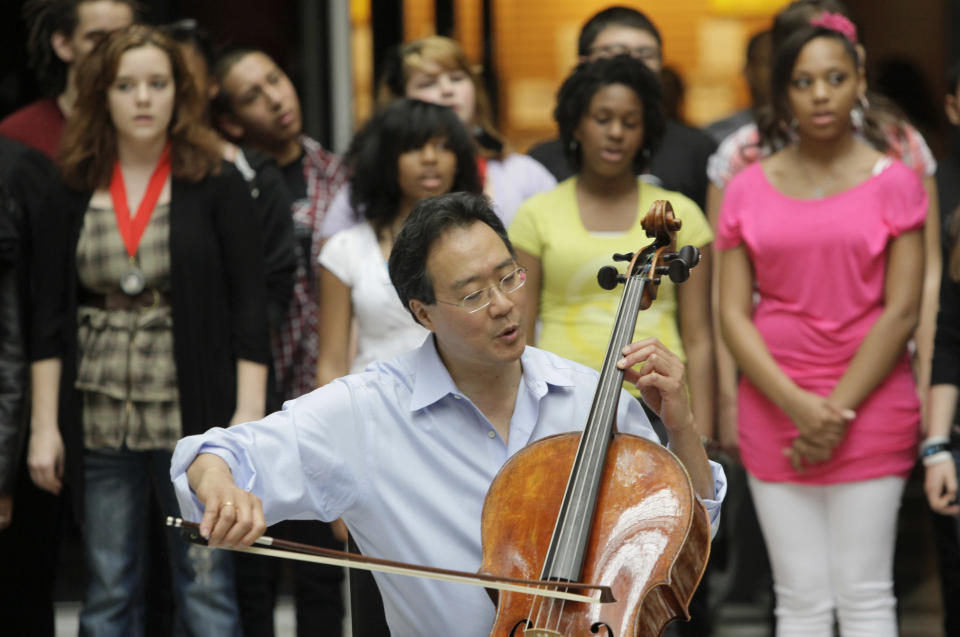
(836, 22)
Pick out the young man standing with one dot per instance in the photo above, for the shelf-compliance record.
(680, 163)
(61, 34)
(257, 106)
(406, 451)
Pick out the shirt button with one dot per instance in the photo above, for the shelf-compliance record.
(492, 434)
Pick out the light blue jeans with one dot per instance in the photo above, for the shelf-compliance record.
(117, 486)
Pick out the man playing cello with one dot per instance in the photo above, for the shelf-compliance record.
(405, 451)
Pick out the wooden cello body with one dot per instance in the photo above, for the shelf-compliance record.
(601, 506)
(650, 539)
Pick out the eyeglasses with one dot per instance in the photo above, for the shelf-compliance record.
(642, 53)
(476, 301)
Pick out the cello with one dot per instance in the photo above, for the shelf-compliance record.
(637, 534)
(627, 516)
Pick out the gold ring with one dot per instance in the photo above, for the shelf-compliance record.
(226, 504)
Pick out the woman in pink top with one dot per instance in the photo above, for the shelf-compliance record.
(829, 417)
(888, 132)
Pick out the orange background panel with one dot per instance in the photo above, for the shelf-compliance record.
(536, 44)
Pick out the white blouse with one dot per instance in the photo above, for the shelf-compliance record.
(385, 327)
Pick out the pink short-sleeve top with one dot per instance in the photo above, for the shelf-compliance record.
(819, 270)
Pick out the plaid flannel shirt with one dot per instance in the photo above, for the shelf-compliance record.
(295, 345)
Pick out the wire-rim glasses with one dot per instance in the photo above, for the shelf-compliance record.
(476, 301)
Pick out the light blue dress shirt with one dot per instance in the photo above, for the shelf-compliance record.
(405, 459)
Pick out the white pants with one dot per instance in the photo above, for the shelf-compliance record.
(831, 548)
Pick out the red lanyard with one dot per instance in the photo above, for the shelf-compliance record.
(132, 229)
(482, 170)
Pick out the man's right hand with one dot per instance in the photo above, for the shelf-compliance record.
(232, 517)
(45, 458)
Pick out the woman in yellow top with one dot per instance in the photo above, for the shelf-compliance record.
(610, 118)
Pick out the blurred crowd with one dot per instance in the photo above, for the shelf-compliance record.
(176, 255)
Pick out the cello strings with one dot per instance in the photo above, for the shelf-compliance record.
(593, 443)
(607, 401)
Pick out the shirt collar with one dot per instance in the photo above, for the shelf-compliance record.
(432, 381)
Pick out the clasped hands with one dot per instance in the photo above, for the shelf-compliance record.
(822, 426)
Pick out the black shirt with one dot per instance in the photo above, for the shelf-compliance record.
(948, 193)
(295, 179)
(679, 164)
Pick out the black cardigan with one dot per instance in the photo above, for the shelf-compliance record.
(946, 350)
(217, 297)
(25, 176)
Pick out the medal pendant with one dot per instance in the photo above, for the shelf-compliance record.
(132, 282)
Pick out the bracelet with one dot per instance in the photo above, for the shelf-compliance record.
(934, 440)
(933, 449)
(937, 458)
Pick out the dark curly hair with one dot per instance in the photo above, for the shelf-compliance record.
(403, 125)
(429, 221)
(574, 96)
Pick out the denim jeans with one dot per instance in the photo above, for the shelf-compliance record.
(117, 485)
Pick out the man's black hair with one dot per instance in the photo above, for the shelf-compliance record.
(189, 31)
(220, 68)
(617, 16)
(429, 221)
(589, 77)
(43, 18)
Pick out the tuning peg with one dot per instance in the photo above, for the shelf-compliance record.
(608, 277)
(681, 262)
(690, 255)
(678, 270)
(622, 256)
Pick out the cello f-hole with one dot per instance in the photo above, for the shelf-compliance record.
(595, 628)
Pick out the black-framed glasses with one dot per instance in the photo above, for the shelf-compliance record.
(642, 53)
(476, 301)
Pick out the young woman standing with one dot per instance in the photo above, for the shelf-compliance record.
(409, 151)
(152, 323)
(828, 233)
(610, 119)
(436, 69)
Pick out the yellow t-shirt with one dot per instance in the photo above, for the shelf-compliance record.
(576, 313)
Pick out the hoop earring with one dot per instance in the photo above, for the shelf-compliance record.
(858, 114)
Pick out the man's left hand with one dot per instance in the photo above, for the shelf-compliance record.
(661, 379)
